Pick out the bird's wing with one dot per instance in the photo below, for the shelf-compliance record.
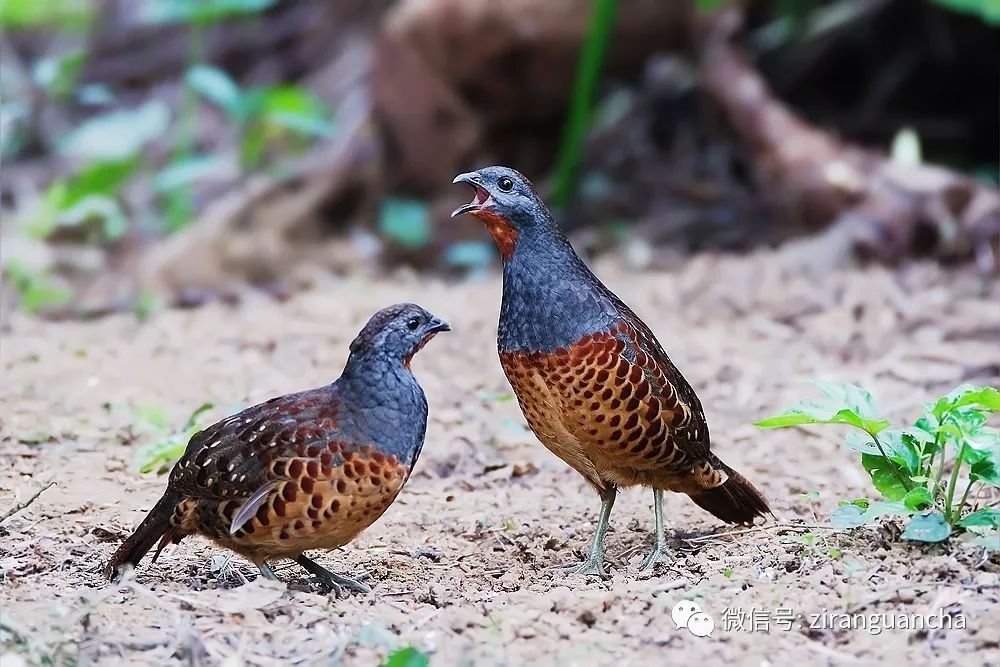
(630, 408)
(689, 428)
(239, 455)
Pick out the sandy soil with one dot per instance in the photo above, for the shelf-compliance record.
(458, 563)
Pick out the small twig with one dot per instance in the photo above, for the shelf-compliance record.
(20, 506)
(783, 526)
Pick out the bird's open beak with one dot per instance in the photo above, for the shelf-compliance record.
(482, 198)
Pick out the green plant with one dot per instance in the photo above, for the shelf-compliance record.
(407, 657)
(198, 15)
(35, 288)
(908, 466)
(162, 453)
(987, 10)
(262, 115)
(70, 15)
(602, 18)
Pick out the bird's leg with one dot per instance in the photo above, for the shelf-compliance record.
(336, 582)
(660, 551)
(594, 563)
(267, 572)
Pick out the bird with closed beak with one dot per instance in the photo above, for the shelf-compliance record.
(594, 384)
(305, 471)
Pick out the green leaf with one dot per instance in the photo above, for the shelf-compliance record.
(986, 398)
(98, 209)
(294, 108)
(99, 178)
(883, 476)
(197, 168)
(847, 516)
(918, 498)
(708, 6)
(57, 75)
(118, 135)
(985, 517)
(898, 445)
(407, 657)
(928, 526)
(405, 221)
(35, 288)
(217, 87)
(988, 11)
(863, 503)
(102, 180)
(73, 15)
(880, 508)
(201, 12)
(842, 404)
(989, 540)
(163, 453)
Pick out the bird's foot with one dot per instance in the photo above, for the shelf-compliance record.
(659, 554)
(338, 582)
(335, 582)
(592, 566)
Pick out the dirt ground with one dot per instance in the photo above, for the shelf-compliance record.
(458, 563)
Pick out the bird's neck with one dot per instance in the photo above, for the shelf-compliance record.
(384, 404)
(550, 298)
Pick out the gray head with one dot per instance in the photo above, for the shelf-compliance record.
(397, 332)
(507, 204)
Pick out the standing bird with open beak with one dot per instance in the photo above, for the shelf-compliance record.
(304, 471)
(593, 382)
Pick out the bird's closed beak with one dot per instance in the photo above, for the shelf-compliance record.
(481, 199)
(438, 325)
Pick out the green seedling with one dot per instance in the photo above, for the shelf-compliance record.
(160, 455)
(925, 471)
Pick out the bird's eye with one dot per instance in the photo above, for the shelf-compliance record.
(413, 324)
(506, 184)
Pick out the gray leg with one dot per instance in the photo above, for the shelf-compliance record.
(594, 563)
(336, 582)
(660, 551)
(267, 572)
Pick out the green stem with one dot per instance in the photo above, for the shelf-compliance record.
(953, 481)
(895, 469)
(180, 206)
(940, 472)
(602, 18)
(965, 496)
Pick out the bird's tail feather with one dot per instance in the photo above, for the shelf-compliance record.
(735, 501)
(155, 526)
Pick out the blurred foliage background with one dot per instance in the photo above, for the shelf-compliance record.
(173, 151)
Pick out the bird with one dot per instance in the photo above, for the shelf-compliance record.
(594, 384)
(308, 470)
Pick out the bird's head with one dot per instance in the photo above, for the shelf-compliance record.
(397, 332)
(507, 204)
